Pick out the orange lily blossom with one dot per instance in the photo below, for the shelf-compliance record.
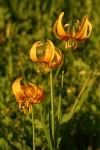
(83, 32)
(27, 95)
(51, 58)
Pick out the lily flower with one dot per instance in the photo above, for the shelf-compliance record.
(27, 95)
(51, 58)
(70, 33)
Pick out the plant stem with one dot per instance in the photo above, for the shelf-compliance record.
(60, 96)
(33, 129)
(52, 103)
(57, 73)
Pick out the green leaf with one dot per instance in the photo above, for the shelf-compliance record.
(46, 131)
(66, 117)
(83, 95)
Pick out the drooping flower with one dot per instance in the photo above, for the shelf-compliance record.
(70, 33)
(51, 58)
(27, 95)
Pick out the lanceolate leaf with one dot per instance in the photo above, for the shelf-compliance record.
(80, 100)
(46, 131)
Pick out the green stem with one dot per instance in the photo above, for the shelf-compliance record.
(33, 129)
(62, 66)
(57, 73)
(52, 101)
(60, 96)
(22, 71)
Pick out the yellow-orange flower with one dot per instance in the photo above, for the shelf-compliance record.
(27, 95)
(52, 56)
(73, 34)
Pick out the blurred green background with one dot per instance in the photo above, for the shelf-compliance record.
(22, 22)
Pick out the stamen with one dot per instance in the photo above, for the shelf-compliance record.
(20, 105)
(30, 109)
(24, 109)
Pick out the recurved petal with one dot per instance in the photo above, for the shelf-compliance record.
(55, 31)
(18, 91)
(90, 28)
(84, 30)
(86, 33)
(79, 23)
(57, 59)
(49, 52)
(67, 25)
(16, 87)
(58, 54)
(60, 29)
(33, 49)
